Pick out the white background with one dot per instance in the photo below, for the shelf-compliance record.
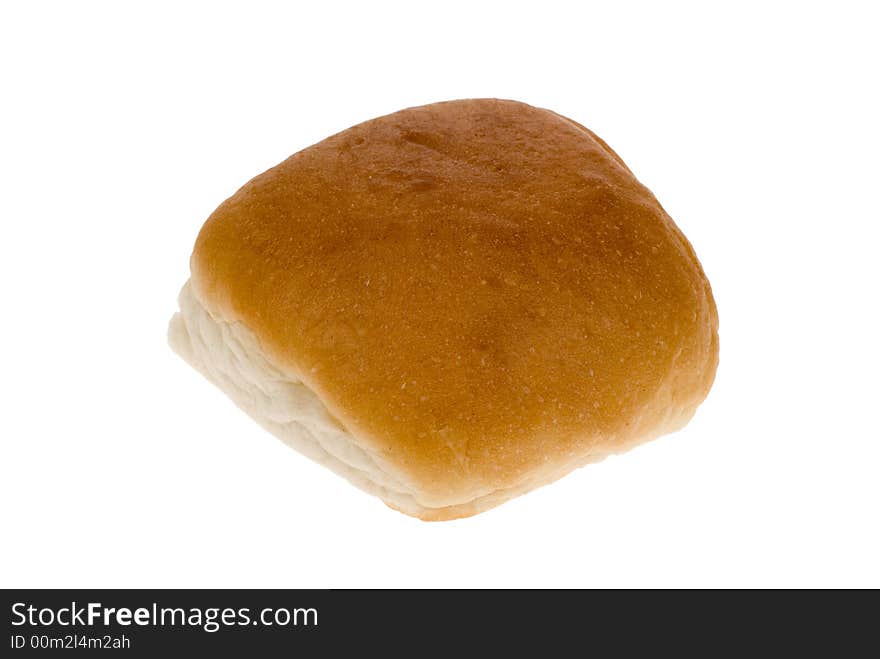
(121, 129)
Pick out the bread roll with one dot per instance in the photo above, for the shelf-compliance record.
(452, 305)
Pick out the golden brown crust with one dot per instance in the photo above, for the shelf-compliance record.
(478, 290)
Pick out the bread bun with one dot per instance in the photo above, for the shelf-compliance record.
(452, 305)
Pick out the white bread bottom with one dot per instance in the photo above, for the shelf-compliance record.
(229, 355)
